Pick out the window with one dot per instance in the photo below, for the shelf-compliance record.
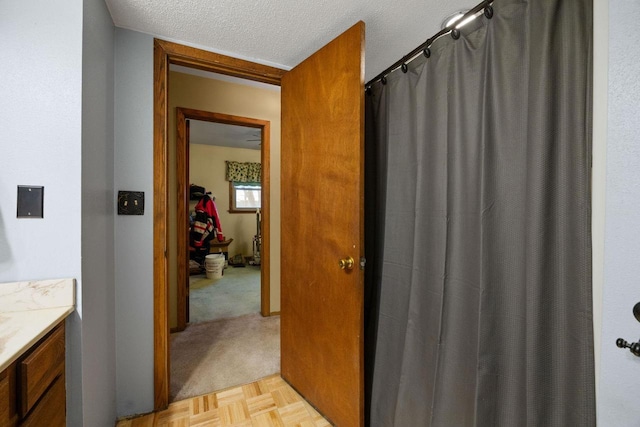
(244, 197)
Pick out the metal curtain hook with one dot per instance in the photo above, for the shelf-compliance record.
(488, 12)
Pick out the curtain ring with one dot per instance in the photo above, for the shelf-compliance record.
(383, 80)
(404, 68)
(455, 33)
(427, 52)
(488, 12)
(367, 90)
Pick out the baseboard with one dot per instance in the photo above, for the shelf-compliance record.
(274, 313)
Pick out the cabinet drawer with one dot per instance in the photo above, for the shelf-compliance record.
(51, 410)
(40, 368)
(8, 416)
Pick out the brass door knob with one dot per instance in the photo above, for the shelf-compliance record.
(346, 263)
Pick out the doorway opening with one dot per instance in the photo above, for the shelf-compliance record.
(231, 287)
(212, 126)
(223, 162)
(166, 54)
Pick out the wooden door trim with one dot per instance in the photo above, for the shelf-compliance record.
(184, 114)
(165, 53)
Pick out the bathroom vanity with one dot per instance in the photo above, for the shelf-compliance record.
(32, 351)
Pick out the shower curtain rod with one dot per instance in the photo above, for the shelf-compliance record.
(425, 47)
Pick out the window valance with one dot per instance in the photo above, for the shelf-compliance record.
(244, 172)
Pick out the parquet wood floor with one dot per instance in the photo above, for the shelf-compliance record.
(269, 402)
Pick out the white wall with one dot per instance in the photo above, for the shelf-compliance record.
(134, 234)
(600, 91)
(98, 294)
(40, 106)
(620, 370)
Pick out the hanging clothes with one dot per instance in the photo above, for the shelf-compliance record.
(216, 217)
(206, 225)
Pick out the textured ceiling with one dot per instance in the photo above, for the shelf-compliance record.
(223, 135)
(283, 33)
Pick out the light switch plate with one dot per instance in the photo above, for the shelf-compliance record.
(130, 202)
(30, 201)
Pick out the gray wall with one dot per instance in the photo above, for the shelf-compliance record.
(98, 293)
(40, 106)
(620, 370)
(56, 100)
(134, 234)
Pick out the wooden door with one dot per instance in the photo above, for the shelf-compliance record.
(322, 223)
(181, 226)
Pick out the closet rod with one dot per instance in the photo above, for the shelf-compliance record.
(425, 47)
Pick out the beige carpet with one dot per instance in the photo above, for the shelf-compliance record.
(218, 354)
(237, 293)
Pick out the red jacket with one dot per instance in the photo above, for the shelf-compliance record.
(207, 223)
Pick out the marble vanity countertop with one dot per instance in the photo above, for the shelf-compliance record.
(28, 311)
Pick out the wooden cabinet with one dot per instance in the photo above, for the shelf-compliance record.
(40, 368)
(8, 389)
(50, 410)
(32, 389)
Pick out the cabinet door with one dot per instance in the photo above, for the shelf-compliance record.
(40, 368)
(51, 410)
(8, 415)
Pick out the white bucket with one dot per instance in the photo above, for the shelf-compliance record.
(212, 257)
(214, 264)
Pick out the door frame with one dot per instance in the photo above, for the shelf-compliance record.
(182, 159)
(164, 54)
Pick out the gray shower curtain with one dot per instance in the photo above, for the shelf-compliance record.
(479, 308)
